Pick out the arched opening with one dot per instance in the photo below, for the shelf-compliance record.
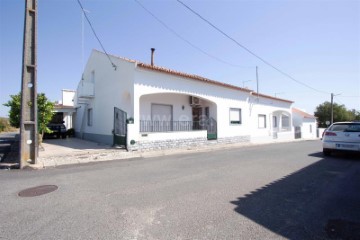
(175, 112)
(281, 122)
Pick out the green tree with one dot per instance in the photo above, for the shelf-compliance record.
(15, 110)
(45, 111)
(355, 115)
(323, 113)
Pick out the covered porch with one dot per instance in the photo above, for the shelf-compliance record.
(176, 116)
(281, 126)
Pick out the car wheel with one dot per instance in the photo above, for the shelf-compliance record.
(326, 152)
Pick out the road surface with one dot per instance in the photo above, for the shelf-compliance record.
(276, 191)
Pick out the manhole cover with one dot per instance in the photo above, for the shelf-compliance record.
(342, 229)
(37, 191)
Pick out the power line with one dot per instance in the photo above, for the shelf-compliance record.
(93, 30)
(248, 50)
(351, 96)
(185, 40)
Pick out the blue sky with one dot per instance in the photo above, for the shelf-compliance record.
(316, 42)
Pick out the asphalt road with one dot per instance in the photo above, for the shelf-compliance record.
(277, 191)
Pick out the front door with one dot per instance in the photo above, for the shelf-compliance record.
(120, 127)
(197, 117)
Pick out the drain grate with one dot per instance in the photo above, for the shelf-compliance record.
(37, 191)
(342, 229)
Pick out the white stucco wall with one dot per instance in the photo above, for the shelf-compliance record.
(133, 89)
(68, 97)
(113, 88)
(308, 129)
(307, 132)
(152, 82)
(173, 135)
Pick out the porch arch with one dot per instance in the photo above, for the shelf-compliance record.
(169, 111)
(281, 121)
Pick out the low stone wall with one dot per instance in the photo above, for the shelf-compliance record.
(185, 143)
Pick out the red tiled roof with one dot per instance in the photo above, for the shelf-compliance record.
(197, 77)
(206, 80)
(302, 113)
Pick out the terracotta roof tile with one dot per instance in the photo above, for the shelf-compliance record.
(195, 77)
(303, 114)
(199, 78)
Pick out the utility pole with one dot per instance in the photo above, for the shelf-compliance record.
(332, 107)
(28, 118)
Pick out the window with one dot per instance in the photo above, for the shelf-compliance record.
(161, 116)
(90, 117)
(161, 112)
(235, 116)
(92, 77)
(274, 121)
(262, 121)
(285, 120)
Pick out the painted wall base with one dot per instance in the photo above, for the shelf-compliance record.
(184, 143)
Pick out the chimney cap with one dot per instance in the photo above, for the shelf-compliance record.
(152, 56)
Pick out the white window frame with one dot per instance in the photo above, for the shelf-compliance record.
(231, 116)
(262, 124)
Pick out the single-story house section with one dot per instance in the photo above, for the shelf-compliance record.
(64, 110)
(143, 106)
(305, 124)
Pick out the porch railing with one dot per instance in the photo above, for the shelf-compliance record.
(171, 126)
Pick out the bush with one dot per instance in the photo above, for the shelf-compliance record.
(5, 125)
(70, 132)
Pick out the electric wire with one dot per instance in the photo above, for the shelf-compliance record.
(96, 36)
(351, 96)
(185, 40)
(249, 51)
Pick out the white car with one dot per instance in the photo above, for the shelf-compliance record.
(343, 136)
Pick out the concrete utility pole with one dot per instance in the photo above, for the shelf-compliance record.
(332, 107)
(28, 122)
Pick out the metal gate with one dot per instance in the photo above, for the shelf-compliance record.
(297, 132)
(211, 127)
(120, 127)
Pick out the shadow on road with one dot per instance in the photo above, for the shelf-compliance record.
(321, 201)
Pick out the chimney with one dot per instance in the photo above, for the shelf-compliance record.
(152, 56)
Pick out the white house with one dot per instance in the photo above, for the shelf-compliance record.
(166, 108)
(64, 109)
(305, 124)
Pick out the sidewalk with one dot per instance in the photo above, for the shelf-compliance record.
(56, 152)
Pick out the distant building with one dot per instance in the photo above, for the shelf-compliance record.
(64, 109)
(305, 124)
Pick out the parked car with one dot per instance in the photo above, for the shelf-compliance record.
(342, 136)
(58, 130)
